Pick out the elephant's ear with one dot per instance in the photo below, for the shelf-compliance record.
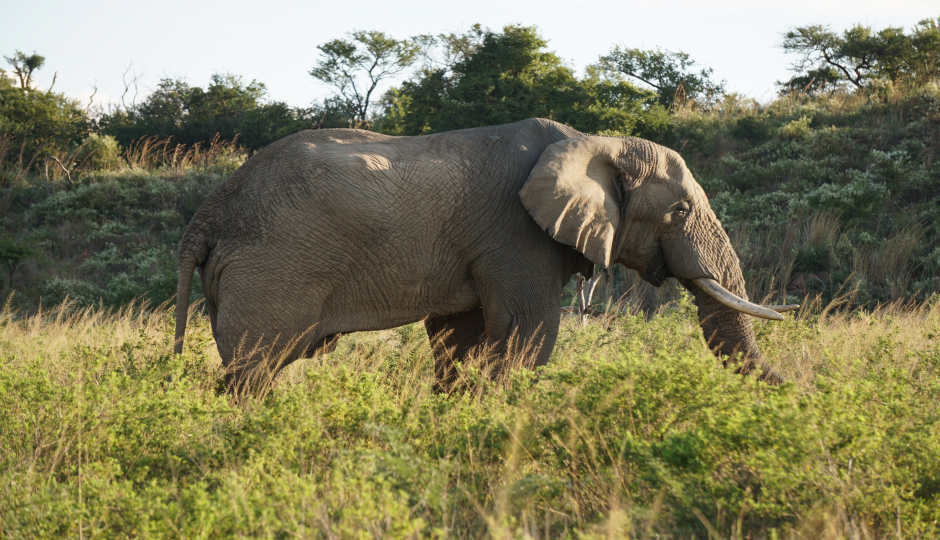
(572, 193)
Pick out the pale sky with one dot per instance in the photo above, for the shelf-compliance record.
(94, 41)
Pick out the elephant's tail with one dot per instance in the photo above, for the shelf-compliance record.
(185, 271)
(194, 249)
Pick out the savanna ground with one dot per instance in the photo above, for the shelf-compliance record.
(632, 431)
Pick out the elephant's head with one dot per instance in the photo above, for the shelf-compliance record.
(630, 201)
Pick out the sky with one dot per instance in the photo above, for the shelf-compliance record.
(93, 43)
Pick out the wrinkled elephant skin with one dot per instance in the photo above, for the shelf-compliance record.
(475, 231)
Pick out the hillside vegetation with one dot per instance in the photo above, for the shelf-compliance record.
(833, 186)
(819, 194)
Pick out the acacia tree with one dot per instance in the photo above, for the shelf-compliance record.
(355, 68)
(831, 57)
(828, 59)
(670, 73)
(24, 66)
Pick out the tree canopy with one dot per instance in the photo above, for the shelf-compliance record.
(190, 114)
(828, 59)
(24, 66)
(501, 77)
(670, 73)
(355, 68)
(37, 124)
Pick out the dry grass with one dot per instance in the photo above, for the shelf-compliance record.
(899, 330)
(61, 331)
(150, 153)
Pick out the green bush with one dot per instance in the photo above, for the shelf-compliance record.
(100, 153)
(37, 124)
(111, 238)
(228, 108)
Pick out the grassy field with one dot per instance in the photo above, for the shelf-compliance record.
(632, 431)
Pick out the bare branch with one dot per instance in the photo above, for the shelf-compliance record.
(134, 80)
(91, 98)
(66, 171)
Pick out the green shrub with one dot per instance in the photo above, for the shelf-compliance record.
(100, 153)
(37, 124)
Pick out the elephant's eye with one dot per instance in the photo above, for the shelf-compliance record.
(682, 210)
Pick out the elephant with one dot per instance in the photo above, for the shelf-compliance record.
(475, 231)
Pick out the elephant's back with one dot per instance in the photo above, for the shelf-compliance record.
(354, 182)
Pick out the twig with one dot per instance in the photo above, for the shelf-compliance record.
(53, 158)
(135, 78)
(91, 98)
(585, 293)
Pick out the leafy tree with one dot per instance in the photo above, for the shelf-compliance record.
(39, 124)
(670, 73)
(444, 51)
(925, 40)
(496, 78)
(12, 254)
(189, 114)
(509, 77)
(24, 66)
(355, 68)
(611, 105)
(829, 59)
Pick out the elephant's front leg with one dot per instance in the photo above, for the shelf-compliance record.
(454, 338)
(521, 328)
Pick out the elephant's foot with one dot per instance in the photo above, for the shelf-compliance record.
(454, 338)
(763, 370)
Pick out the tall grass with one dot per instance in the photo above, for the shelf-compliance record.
(633, 430)
(151, 153)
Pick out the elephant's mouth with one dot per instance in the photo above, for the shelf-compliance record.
(656, 277)
(656, 271)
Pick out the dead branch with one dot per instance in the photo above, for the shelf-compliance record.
(66, 171)
(91, 98)
(135, 78)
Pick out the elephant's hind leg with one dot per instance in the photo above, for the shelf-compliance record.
(258, 335)
(454, 338)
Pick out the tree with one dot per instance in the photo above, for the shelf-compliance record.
(444, 51)
(925, 40)
(670, 73)
(228, 107)
(828, 59)
(823, 52)
(12, 254)
(355, 68)
(501, 77)
(39, 123)
(24, 66)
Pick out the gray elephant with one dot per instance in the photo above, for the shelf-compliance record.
(475, 232)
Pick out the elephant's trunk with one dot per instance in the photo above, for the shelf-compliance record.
(728, 331)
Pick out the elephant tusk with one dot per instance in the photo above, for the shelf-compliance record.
(783, 308)
(737, 303)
